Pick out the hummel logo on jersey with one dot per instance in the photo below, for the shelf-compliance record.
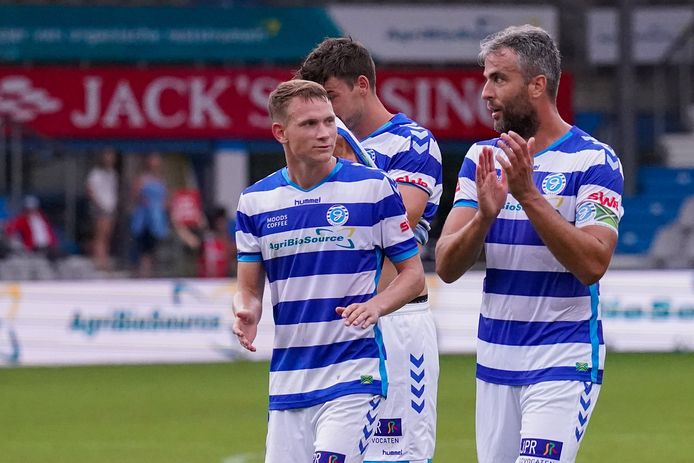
(414, 181)
(299, 202)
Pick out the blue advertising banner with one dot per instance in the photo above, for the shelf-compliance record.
(162, 34)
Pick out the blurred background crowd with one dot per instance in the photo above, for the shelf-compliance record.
(128, 129)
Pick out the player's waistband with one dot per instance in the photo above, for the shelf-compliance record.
(418, 304)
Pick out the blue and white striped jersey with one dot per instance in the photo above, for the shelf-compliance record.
(409, 154)
(323, 248)
(537, 321)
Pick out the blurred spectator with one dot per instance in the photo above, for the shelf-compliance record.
(218, 253)
(30, 231)
(189, 223)
(102, 190)
(149, 224)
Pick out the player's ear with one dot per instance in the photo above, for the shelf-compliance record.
(537, 86)
(278, 132)
(363, 84)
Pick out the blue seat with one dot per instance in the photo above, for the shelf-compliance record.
(666, 180)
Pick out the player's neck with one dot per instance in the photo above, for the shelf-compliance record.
(373, 118)
(551, 128)
(309, 174)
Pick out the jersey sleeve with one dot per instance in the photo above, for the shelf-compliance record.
(394, 232)
(599, 196)
(466, 189)
(247, 238)
(418, 163)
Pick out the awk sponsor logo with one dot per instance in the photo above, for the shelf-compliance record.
(545, 449)
(602, 198)
(328, 457)
(404, 226)
(414, 181)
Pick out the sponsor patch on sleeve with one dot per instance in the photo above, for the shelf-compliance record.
(541, 448)
(590, 213)
(328, 457)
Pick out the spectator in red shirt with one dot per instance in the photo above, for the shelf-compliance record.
(31, 229)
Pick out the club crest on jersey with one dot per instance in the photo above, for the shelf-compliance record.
(585, 213)
(554, 183)
(337, 215)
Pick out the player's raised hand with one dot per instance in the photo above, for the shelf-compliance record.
(245, 327)
(491, 192)
(359, 314)
(518, 165)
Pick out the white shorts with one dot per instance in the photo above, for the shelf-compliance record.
(406, 428)
(337, 431)
(538, 423)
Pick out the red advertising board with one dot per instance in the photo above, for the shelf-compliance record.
(229, 103)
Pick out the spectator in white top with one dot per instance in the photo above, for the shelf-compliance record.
(102, 190)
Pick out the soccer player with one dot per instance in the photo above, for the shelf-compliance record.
(410, 155)
(318, 229)
(544, 200)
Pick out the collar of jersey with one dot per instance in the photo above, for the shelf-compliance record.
(563, 138)
(336, 169)
(398, 119)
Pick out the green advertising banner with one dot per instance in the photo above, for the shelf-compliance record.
(132, 34)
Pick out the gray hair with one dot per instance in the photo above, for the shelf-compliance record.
(537, 52)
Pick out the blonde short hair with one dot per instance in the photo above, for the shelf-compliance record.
(286, 91)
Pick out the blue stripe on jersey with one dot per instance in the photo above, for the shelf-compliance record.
(359, 152)
(315, 216)
(249, 257)
(244, 223)
(466, 203)
(522, 378)
(519, 333)
(301, 358)
(507, 231)
(402, 251)
(468, 169)
(313, 310)
(383, 371)
(320, 263)
(403, 255)
(309, 399)
(603, 175)
(269, 183)
(595, 329)
(533, 284)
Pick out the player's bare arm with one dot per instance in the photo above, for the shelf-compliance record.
(407, 285)
(463, 233)
(585, 252)
(248, 302)
(415, 200)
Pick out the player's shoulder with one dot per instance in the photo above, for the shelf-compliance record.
(354, 171)
(402, 125)
(269, 183)
(582, 141)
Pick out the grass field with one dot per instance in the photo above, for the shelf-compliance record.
(217, 413)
